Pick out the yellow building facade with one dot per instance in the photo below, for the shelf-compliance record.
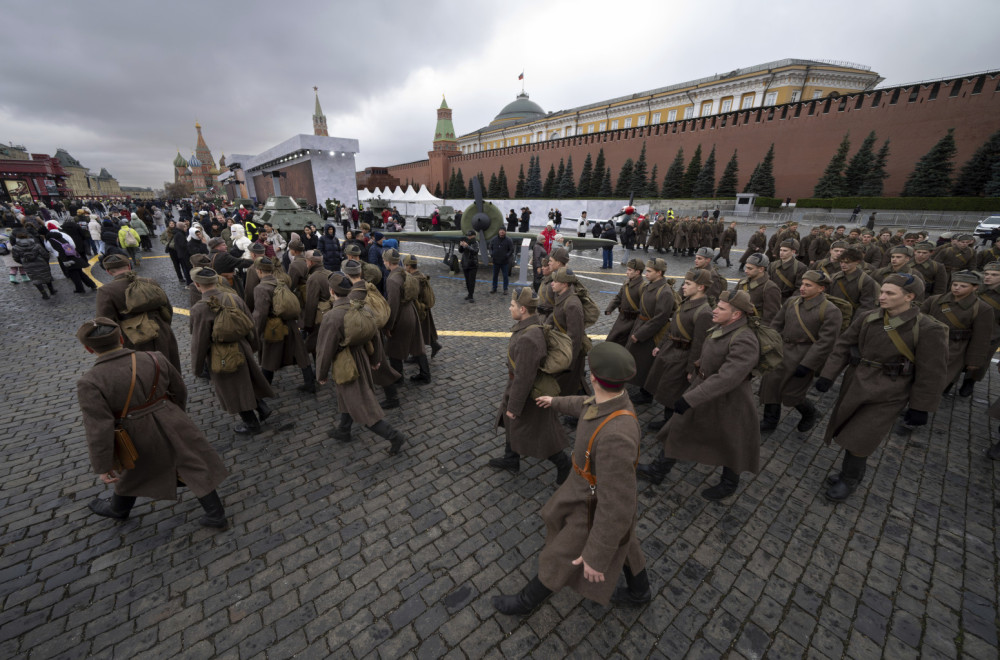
(773, 83)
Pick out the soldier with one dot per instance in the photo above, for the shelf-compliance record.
(756, 244)
(726, 242)
(764, 294)
(244, 390)
(317, 298)
(898, 359)
(586, 552)
(146, 395)
(984, 257)
(703, 260)
(529, 430)
(958, 255)
(468, 247)
(871, 252)
(538, 255)
(681, 237)
(642, 233)
(567, 316)
(369, 272)
(678, 352)
(111, 304)
(853, 284)
(424, 311)
(298, 269)
(787, 271)
(809, 325)
(989, 293)
(719, 390)
(355, 400)
(803, 251)
(819, 247)
(830, 265)
(626, 301)
(970, 326)
(656, 304)
(281, 353)
(383, 374)
(559, 258)
(253, 277)
(403, 336)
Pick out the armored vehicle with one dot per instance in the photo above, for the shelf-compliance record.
(447, 219)
(286, 216)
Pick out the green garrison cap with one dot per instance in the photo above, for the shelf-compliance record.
(611, 364)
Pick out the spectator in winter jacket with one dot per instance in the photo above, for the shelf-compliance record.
(129, 240)
(329, 245)
(549, 233)
(501, 251)
(35, 260)
(610, 235)
(94, 227)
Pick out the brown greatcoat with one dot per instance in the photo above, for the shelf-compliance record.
(567, 316)
(955, 258)
(756, 243)
(546, 299)
(611, 541)
(317, 291)
(534, 431)
(681, 236)
(720, 390)
(626, 301)
(822, 319)
(990, 296)
(727, 242)
(788, 276)
(858, 288)
(655, 307)
(969, 342)
(718, 285)
(298, 273)
(764, 294)
(984, 257)
(240, 390)
(111, 304)
(275, 355)
(935, 276)
(869, 400)
(403, 335)
(252, 280)
(169, 444)
(358, 398)
(384, 374)
(425, 316)
(679, 352)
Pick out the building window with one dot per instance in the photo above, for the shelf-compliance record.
(706, 108)
(614, 124)
(727, 105)
(656, 117)
(672, 115)
(603, 126)
(508, 143)
(628, 122)
(747, 101)
(771, 98)
(818, 94)
(795, 96)
(642, 120)
(590, 128)
(689, 112)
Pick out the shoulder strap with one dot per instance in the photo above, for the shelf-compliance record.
(585, 471)
(680, 326)
(797, 304)
(954, 320)
(131, 388)
(777, 271)
(628, 296)
(896, 340)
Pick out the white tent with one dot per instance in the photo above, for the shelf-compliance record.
(397, 194)
(410, 195)
(424, 195)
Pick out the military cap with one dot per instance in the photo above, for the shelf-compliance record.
(265, 265)
(759, 259)
(611, 364)
(911, 234)
(353, 250)
(525, 297)
(377, 236)
(867, 232)
(565, 275)
(790, 243)
(636, 264)
(851, 254)
(817, 276)
(92, 336)
(699, 276)
(739, 300)
(657, 264)
(391, 256)
(705, 252)
(204, 276)
(410, 260)
(993, 266)
(296, 245)
(113, 261)
(314, 255)
(352, 268)
(964, 237)
(840, 244)
(339, 284)
(257, 248)
(907, 282)
(902, 249)
(359, 291)
(967, 276)
(200, 260)
(924, 245)
(559, 254)
(215, 242)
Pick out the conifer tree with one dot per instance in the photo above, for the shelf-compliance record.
(458, 190)
(640, 173)
(533, 186)
(470, 192)
(673, 182)
(762, 179)
(691, 174)
(859, 167)
(503, 191)
(932, 175)
(753, 176)
(548, 190)
(597, 179)
(567, 185)
(437, 190)
(704, 186)
(978, 170)
(730, 178)
(585, 175)
(451, 183)
(872, 187)
(519, 188)
(992, 188)
(560, 173)
(652, 187)
(605, 190)
(623, 186)
(493, 190)
(831, 184)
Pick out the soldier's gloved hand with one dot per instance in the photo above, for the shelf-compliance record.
(681, 406)
(915, 417)
(802, 371)
(824, 384)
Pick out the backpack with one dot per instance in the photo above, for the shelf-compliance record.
(590, 311)
(231, 323)
(360, 324)
(226, 357)
(142, 295)
(284, 304)
(130, 240)
(845, 307)
(67, 248)
(558, 351)
(378, 305)
(770, 345)
(426, 293)
(411, 288)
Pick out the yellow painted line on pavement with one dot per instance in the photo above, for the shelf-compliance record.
(491, 335)
(93, 260)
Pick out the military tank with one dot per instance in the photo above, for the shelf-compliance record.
(286, 216)
(447, 219)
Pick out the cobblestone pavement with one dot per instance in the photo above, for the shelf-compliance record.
(340, 550)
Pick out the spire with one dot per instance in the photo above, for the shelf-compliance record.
(445, 130)
(319, 119)
(201, 140)
(444, 104)
(319, 110)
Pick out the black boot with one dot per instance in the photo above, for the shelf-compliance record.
(772, 415)
(852, 471)
(118, 507)
(642, 397)
(510, 461)
(215, 515)
(391, 397)
(435, 348)
(41, 289)
(309, 378)
(269, 375)
(993, 452)
(809, 416)
(524, 602)
(263, 411)
(968, 385)
(656, 471)
(637, 591)
(250, 423)
(657, 424)
(395, 438)
(727, 485)
(563, 466)
(343, 432)
(425, 370)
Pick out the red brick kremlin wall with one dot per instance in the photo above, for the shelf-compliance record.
(805, 136)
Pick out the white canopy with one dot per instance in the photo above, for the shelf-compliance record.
(410, 195)
(397, 194)
(424, 195)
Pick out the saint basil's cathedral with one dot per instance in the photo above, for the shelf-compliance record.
(200, 169)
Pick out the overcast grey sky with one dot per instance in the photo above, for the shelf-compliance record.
(121, 84)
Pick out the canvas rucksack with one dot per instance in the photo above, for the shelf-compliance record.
(142, 295)
(411, 288)
(590, 311)
(426, 293)
(360, 324)
(231, 323)
(845, 307)
(558, 358)
(770, 346)
(378, 305)
(284, 304)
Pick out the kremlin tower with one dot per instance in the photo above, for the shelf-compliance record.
(319, 119)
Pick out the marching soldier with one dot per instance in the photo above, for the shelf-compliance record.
(317, 297)
(242, 391)
(277, 354)
(787, 271)
(590, 520)
(870, 250)
(726, 243)
(934, 274)
(764, 294)
(853, 284)
(147, 394)
(656, 304)
(809, 325)
(984, 257)
(900, 258)
(383, 374)
(298, 269)
(989, 293)
(703, 260)
(719, 390)
(626, 301)
(424, 311)
(567, 316)
(559, 258)
(897, 358)
(402, 331)
(970, 326)
(529, 430)
(756, 244)
(253, 276)
(369, 272)
(830, 265)
(958, 255)
(225, 264)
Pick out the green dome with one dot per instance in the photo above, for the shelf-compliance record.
(521, 108)
(179, 161)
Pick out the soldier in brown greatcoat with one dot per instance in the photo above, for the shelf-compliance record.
(892, 366)
(111, 304)
(298, 269)
(656, 304)
(830, 265)
(934, 274)
(253, 277)
(809, 325)
(764, 294)
(424, 314)
(984, 257)
(383, 374)
(958, 255)
(567, 316)
(403, 336)
(170, 447)
(590, 519)
(989, 293)
(626, 301)
(243, 391)
(559, 258)
(853, 284)
(317, 296)
(369, 272)
(678, 352)
(529, 430)
(291, 349)
(703, 260)
(787, 271)
(970, 326)
(900, 262)
(355, 400)
(756, 243)
(727, 240)
(720, 390)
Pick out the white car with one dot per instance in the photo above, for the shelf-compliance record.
(989, 227)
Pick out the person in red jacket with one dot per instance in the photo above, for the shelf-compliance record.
(548, 234)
